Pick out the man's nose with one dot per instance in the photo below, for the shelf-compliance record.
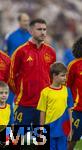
(42, 31)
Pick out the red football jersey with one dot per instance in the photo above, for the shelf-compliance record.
(4, 66)
(75, 82)
(30, 72)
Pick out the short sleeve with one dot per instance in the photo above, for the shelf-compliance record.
(42, 101)
(70, 99)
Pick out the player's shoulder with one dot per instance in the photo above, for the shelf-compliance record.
(21, 48)
(49, 49)
(73, 63)
(48, 46)
(3, 54)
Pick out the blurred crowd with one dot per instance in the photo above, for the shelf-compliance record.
(63, 18)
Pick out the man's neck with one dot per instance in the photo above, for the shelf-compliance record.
(38, 44)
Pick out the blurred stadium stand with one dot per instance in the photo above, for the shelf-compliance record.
(63, 17)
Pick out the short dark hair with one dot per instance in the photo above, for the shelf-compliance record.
(38, 20)
(57, 68)
(3, 84)
(20, 16)
(77, 48)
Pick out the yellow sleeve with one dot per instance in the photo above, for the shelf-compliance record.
(42, 104)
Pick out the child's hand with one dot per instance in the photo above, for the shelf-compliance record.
(70, 136)
(15, 141)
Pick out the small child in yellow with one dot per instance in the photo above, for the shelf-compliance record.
(55, 105)
(4, 107)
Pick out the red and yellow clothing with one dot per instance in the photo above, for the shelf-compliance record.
(51, 100)
(55, 103)
(4, 66)
(29, 72)
(75, 82)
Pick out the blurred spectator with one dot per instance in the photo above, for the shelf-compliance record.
(18, 37)
(59, 45)
(67, 56)
(63, 52)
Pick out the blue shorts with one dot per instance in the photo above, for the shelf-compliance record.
(77, 125)
(58, 143)
(26, 116)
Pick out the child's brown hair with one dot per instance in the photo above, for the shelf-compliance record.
(57, 68)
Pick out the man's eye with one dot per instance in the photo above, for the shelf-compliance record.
(40, 29)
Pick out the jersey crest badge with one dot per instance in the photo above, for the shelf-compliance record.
(47, 57)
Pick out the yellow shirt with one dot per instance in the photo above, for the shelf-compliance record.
(53, 102)
(5, 115)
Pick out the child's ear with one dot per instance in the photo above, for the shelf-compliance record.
(54, 75)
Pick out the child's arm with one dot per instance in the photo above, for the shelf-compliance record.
(42, 122)
(70, 106)
(42, 118)
(42, 108)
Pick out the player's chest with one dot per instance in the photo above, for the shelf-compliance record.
(36, 58)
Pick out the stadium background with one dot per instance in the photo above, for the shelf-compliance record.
(64, 18)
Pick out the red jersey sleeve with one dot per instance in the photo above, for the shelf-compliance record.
(4, 66)
(15, 68)
(70, 76)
